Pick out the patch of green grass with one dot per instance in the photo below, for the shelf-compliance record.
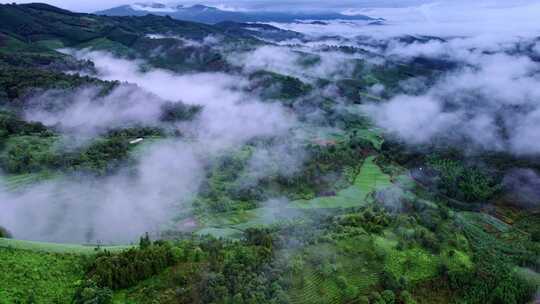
(104, 44)
(386, 243)
(372, 97)
(12, 45)
(457, 261)
(50, 44)
(220, 232)
(227, 219)
(38, 276)
(20, 181)
(371, 178)
(372, 135)
(55, 247)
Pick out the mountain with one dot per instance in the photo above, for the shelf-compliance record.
(212, 15)
(30, 34)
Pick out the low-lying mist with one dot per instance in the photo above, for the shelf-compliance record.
(490, 96)
(117, 208)
(166, 176)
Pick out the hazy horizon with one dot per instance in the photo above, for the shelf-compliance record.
(239, 5)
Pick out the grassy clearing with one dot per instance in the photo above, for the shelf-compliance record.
(51, 44)
(12, 45)
(20, 181)
(233, 223)
(220, 232)
(101, 44)
(373, 136)
(459, 260)
(55, 247)
(369, 96)
(38, 276)
(371, 178)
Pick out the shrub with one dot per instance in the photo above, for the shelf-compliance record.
(90, 293)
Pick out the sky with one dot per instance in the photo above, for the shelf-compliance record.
(90, 6)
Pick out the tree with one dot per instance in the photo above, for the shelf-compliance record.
(145, 241)
(4, 233)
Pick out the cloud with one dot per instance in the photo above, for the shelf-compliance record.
(230, 116)
(117, 208)
(161, 185)
(85, 113)
(523, 186)
(488, 101)
(416, 119)
(290, 61)
(491, 21)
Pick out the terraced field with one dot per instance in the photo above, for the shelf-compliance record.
(351, 274)
(313, 288)
(415, 264)
(485, 233)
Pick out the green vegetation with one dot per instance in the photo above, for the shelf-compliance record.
(15, 82)
(26, 154)
(57, 248)
(125, 269)
(38, 277)
(279, 87)
(354, 217)
(370, 179)
(45, 153)
(464, 183)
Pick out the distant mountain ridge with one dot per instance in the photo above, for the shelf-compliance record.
(211, 15)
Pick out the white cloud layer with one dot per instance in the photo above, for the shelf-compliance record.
(121, 207)
(485, 19)
(495, 103)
